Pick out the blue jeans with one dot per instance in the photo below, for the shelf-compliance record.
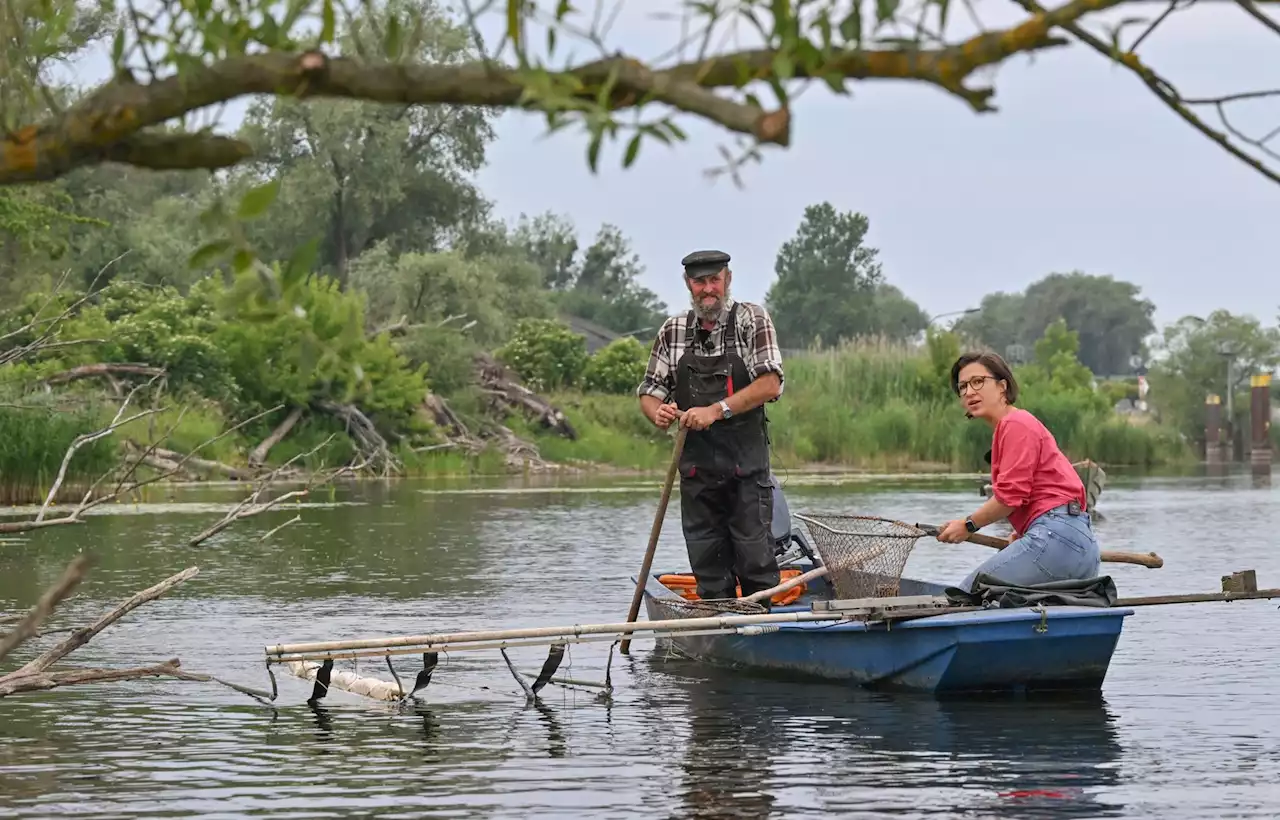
(1056, 547)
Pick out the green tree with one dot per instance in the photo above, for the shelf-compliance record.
(600, 284)
(546, 354)
(1108, 315)
(1191, 363)
(997, 325)
(896, 316)
(618, 367)
(356, 173)
(827, 279)
(484, 294)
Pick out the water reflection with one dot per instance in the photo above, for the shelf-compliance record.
(756, 745)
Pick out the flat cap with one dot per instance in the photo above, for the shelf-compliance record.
(704, 263)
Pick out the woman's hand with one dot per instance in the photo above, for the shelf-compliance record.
(953, 532)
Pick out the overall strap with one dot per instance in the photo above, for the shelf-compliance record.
(731, 330)
(690, 330)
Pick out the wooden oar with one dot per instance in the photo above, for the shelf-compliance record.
(1149, 560)
(625, 647)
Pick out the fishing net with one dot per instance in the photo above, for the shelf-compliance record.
(864, 555)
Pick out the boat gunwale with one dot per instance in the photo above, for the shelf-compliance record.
(942, 620)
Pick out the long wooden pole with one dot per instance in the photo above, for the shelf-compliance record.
(1149, 560)
(658, 517)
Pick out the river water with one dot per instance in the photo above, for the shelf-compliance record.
(1187, 725)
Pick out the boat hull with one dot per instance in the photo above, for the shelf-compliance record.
(993, 650)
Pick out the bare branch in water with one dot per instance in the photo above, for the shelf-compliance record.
(29, 626)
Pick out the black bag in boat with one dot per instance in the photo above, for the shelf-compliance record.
(990, 591)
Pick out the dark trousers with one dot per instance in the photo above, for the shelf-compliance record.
(727, 522)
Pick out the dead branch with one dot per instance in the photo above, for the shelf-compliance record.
(41, 681)
(443, 416)
(82, 636)
(258, 456)
(45, 338)
(108, 369)
(500, 383)
(251, 506)
(29, 627)
(1164, 90)
(369, 442)
(89, 438)
(112, 123)
(203, 465)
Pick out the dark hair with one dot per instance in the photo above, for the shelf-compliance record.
(992, 362)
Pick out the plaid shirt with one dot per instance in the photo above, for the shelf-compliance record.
(757, 344)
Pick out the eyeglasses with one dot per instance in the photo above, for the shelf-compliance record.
(975, 383)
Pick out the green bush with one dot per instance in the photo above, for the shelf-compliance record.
(546, 354)
(616, 368)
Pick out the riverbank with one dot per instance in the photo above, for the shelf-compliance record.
(836, 416)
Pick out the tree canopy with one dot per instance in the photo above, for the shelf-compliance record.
(830, 285)
(1109, 316)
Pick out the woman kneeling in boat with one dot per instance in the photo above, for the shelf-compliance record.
(1032, 483)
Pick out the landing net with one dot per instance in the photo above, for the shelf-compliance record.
(864, 555)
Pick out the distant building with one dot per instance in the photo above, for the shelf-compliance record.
(597, 335)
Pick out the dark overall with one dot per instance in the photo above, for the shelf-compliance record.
(726, 495)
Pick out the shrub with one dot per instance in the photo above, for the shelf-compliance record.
(546, 354)
(618, 367)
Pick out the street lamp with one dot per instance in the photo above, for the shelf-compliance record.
(964, 312)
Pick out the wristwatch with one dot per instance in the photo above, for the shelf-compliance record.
(970, 526)
(725, 412)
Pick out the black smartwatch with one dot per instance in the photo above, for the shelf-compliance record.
(970, 526)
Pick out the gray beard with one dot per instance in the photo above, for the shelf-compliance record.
(712, 313)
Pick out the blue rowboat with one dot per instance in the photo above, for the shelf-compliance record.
(1017, 650)
(985, 650)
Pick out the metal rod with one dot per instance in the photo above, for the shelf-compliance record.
(551, 631)
(468, 646)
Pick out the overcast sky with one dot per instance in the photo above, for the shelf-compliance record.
(1081, 169)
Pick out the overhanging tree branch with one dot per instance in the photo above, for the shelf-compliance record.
(1167, 94)
(113, 122)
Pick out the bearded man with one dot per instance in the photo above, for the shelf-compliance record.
(713, 369)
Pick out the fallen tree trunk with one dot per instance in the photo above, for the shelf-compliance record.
(507, 393)
(258, 456)
(40, 681)
(86, 371)
(443, 416)
(372, 446)
(205, 465)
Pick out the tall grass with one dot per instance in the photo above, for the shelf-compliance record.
(871, 405)
(35, 437)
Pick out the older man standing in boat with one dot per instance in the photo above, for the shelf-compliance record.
(713, 369)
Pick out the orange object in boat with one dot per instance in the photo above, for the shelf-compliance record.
(686, 586)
